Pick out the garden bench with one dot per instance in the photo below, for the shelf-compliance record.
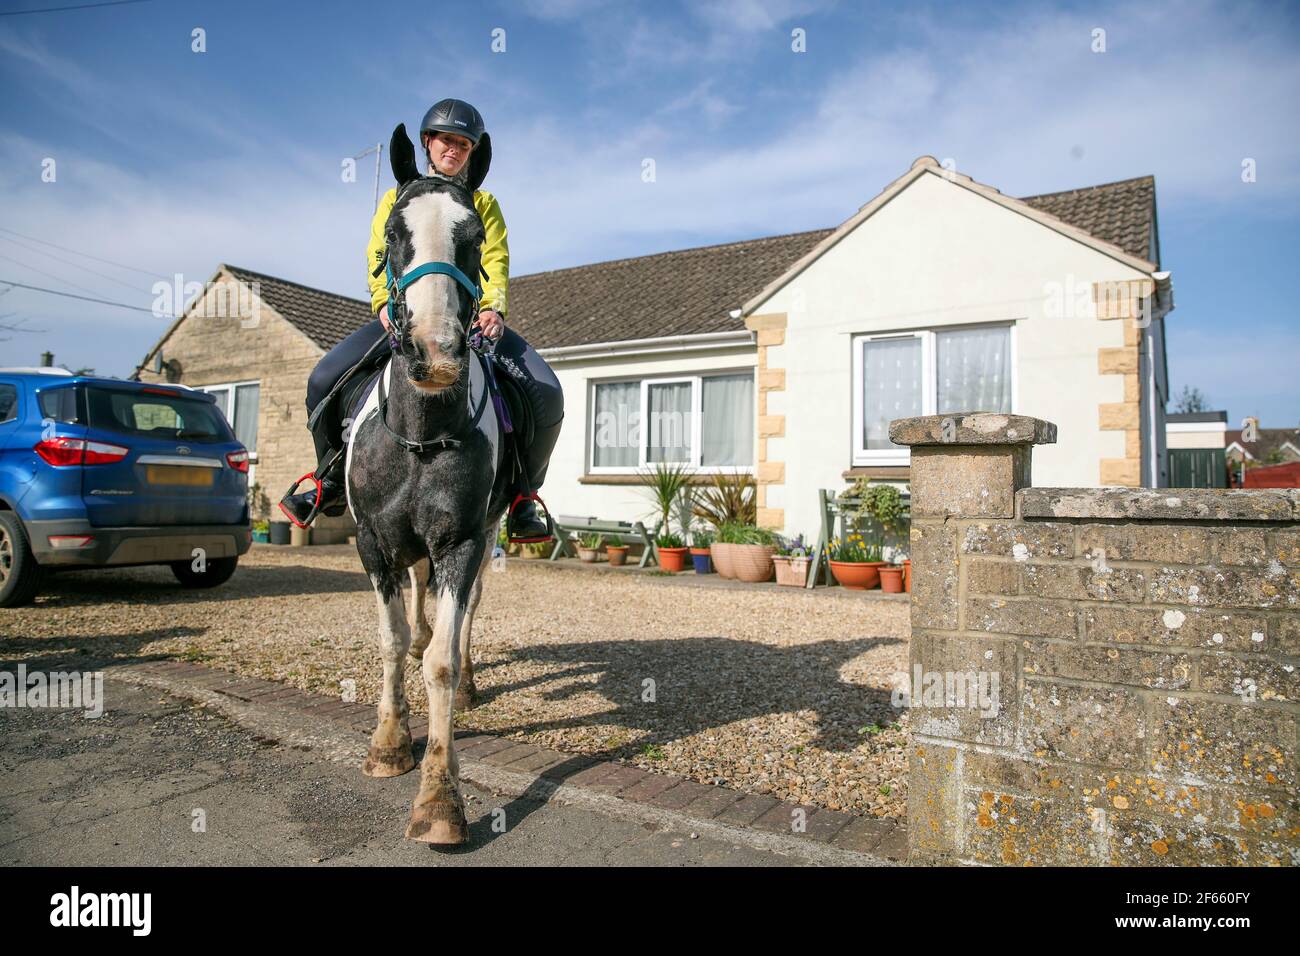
(624, 532)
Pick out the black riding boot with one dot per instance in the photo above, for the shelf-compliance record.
(333, 495)
(524, 523)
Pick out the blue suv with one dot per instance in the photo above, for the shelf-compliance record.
(98, 472)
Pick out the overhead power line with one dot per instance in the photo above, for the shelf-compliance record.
(84, 255)
(69, 295)
(77, 6)
(68, 262)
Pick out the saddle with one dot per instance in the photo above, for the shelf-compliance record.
(344, 402)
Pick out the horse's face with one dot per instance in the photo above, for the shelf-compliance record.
(433, 221)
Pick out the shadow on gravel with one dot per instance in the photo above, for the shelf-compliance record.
(70, 589)
(705, 682)
(87, 651)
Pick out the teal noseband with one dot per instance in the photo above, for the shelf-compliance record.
(428, 269)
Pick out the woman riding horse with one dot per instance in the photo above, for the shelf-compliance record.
(459, 149)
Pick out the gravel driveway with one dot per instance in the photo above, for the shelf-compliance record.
(772, 691)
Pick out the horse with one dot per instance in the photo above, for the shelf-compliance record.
(427, 485)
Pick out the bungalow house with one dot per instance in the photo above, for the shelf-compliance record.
(786, 356)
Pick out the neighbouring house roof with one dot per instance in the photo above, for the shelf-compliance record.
(1188, 418)
(1122, 213)
(685, 292)
(1270, 440)
(324, 317)
(694, 291)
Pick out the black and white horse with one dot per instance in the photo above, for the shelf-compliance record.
(427, 485)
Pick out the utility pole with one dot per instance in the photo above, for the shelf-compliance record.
(378, 150)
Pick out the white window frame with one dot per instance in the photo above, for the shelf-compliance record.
(862, 456)
(697, 422)
(229, 388)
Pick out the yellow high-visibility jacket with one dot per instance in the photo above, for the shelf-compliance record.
(495, 253)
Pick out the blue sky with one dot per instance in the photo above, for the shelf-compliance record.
(172, 161)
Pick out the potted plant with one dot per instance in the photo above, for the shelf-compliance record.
(617, 554)
(536, 549)
(854, 563)
(751, 551)
(589, 547)
(791, 561)
(891, 578)
(700, 557)
(907, 575)
(671, 551)
(262, 531)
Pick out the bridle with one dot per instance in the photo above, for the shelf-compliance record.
(399, 338)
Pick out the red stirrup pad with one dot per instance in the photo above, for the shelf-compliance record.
(311, 475)
(515, 504)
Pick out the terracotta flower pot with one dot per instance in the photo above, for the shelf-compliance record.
(791, 571)
(752, 562)
(590, 555)
(672, 559)
(617, 554)
(907, 575)
(891, 579)
(721, 554)
(857, 575)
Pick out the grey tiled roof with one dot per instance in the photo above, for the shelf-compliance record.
(324, 317)
(1122, 213)
(686, 291)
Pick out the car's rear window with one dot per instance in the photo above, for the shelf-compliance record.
(154, 415)
(60, 404)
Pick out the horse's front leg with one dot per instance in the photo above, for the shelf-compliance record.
(438, 815)
(421, 633)
(390, 745)
(466, 692)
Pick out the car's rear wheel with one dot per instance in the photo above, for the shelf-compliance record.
(215, 571)
(20, 575)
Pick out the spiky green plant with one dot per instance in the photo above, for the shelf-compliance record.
(731, 499)
(665, 484)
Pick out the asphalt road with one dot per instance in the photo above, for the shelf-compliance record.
(160, 780)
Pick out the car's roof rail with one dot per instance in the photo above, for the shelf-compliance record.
(42, 370)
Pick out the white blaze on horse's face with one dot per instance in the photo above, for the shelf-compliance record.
(434, 301)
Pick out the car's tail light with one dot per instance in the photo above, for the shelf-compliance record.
(238, 460)
(63, 542)
(77, 451)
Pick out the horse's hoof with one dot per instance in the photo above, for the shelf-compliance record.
(466, 695)
(441, 824)
(388, 761)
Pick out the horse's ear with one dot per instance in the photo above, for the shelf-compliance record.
(479, 161)
(401, 153)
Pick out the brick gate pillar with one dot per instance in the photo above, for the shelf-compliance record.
(964, 466)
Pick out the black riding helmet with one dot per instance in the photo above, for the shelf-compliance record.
(457, 116)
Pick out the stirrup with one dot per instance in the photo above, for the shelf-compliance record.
(550, 525)
(315, 508)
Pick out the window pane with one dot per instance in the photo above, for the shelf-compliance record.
(727, 433)
(891, 387)
(670, 423)
(8, 402)
(246, 401)
(222, 395)
(616, 425)
(973, 367)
